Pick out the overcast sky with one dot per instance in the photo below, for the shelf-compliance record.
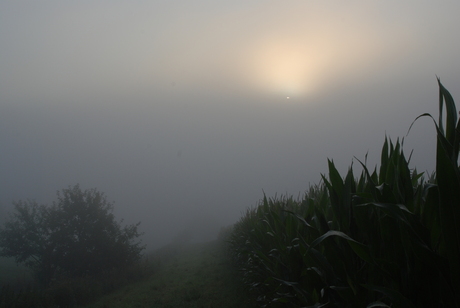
(184, 112)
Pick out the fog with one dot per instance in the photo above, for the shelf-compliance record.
(185, 113)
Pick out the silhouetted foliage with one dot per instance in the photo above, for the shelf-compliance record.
(388, 238)
(75, 236)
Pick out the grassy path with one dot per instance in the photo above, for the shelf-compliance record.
(197, 275)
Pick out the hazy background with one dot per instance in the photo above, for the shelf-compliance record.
(179, 110)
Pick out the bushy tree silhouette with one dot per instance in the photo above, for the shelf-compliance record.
(75, 236)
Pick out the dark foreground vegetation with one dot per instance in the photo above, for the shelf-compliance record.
(387, 238)
(177, 275)
(69, 292)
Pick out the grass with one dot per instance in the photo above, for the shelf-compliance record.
(177, 275)
(196, 275)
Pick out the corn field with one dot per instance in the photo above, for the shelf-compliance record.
(389, 237)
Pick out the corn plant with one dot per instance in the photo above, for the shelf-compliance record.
(444, 198)
(386, 238)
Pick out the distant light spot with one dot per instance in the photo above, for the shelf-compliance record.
(287, 97)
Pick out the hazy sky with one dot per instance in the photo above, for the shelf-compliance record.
(179, 110)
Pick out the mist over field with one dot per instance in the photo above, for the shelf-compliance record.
(185, 113)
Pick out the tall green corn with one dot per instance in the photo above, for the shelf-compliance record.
(386, 238)
(445, 196)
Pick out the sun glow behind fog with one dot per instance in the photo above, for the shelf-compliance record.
(301, 66)
(285, 67)
(310, 56)
(279, 52)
